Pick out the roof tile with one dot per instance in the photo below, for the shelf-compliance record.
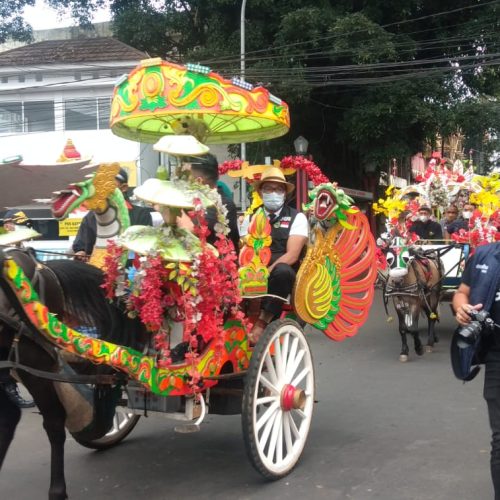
(99, 49)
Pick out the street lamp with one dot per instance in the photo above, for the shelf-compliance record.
(300, 144)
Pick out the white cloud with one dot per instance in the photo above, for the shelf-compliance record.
(42, 17)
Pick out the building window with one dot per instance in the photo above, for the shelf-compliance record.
(78, 76)
(80, 114)
(38, 77)
(104, 107)
(5, 79)
(21, 78)
(39, 116)
(11, 117)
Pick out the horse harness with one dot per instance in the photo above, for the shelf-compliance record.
(42, 279)
(418, 289)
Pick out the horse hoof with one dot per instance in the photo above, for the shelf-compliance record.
(428, 348)
(419, 351)
(403, 358)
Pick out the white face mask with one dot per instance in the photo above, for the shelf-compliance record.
(273, 201)
(424, 218)
(467, 215)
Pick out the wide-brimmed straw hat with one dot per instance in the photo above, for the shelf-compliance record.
(274, 174)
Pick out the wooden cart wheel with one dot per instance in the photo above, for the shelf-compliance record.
(278, 399)
(123, 424)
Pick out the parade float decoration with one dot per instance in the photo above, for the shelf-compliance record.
(484, 225)
(161, 98)
(334, 285)
(169, 276)
(438, 187)
(100, 194)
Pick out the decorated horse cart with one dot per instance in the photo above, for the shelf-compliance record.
(189, 304)
(418, 273)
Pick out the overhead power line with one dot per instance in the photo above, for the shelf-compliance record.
(333, 36)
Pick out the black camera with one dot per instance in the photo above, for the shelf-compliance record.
(481, 321)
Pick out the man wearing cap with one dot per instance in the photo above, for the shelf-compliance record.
(425, 228)
(205, 170)
(289, 233)
(15, 217)
(87, 232)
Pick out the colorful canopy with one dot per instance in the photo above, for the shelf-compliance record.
(160, 98)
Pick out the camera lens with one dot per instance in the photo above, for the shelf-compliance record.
(470, 332)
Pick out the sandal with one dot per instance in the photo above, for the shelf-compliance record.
(257, 329)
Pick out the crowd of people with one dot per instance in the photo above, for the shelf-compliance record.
(426, 227)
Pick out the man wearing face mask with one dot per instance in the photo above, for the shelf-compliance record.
(424, 227)
(289, 234)
(463, 221)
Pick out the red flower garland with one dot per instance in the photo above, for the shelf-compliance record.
(228, 165)
(296, 162)
(157, 294)
(314, 173)
(112, 268)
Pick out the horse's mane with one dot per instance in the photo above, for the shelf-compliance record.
(83, 296)
(86, 302)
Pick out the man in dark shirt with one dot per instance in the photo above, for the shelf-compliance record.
(87, 232)
(480, 289)
(205, 169)
(424, 227)
(461, 222)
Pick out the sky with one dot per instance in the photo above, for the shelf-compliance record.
(42, 17)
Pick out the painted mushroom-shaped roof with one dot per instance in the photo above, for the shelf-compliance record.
(161, 98)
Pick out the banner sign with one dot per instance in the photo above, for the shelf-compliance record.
(69, 227)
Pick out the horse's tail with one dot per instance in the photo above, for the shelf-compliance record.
(86, 304)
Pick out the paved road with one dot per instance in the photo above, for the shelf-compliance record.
(382, 430)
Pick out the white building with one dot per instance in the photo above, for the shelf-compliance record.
(56, 90)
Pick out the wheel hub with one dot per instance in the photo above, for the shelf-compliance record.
(292, 398)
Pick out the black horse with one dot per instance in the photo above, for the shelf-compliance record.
(73, 291)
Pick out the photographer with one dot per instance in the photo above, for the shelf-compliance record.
(480, 289)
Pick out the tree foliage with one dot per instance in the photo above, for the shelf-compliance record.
(12, 24)
(366, 80)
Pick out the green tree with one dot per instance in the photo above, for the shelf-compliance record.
(366, 80)
(12, 24)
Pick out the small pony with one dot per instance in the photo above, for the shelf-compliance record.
(414, 282)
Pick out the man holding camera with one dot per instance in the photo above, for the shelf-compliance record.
(480, 289)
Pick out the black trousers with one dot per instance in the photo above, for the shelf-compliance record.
(492, 396)
(280, 283)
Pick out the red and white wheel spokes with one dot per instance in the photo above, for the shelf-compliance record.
(284, 399)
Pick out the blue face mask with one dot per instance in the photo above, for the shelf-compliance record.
(273, 201)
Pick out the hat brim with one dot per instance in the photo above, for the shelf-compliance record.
(289, 187)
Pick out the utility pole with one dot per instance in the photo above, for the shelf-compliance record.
(243, 184)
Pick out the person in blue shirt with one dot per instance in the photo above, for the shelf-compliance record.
(480, 289)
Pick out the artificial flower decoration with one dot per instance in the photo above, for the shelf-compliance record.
(194, 284)
(439, 187)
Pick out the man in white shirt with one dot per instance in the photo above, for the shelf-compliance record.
(289, 233)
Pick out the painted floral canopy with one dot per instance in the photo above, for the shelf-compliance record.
(161, 98)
